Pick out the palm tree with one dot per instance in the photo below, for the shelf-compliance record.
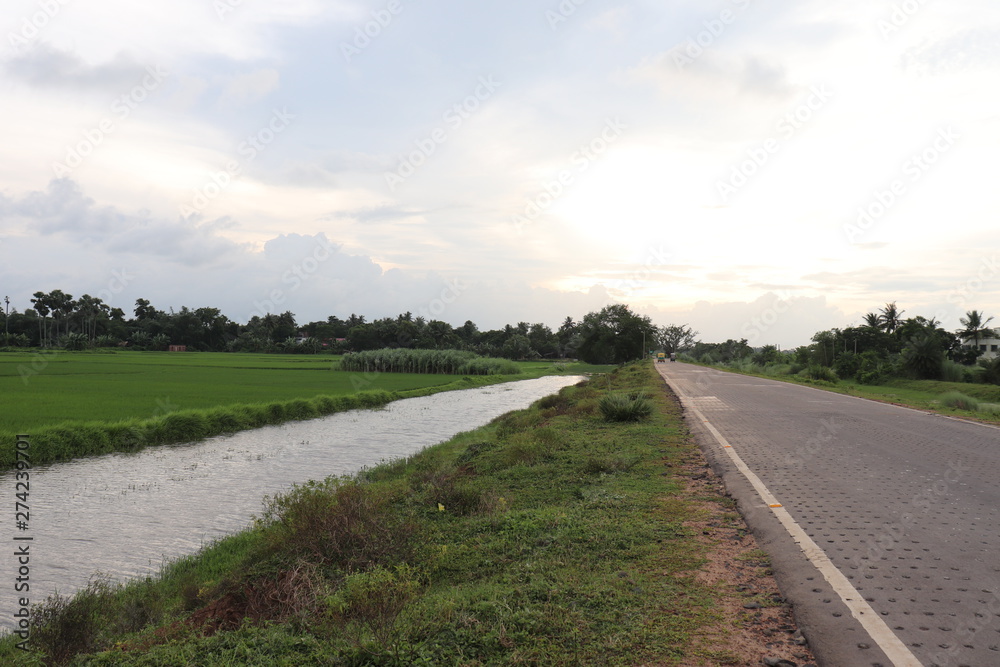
(41, 303)
(975, 326)
(873, 320)
(891, 317)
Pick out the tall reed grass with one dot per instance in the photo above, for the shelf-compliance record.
(450, 362)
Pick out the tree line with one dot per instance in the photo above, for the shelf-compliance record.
(886, 345)
(613, 335)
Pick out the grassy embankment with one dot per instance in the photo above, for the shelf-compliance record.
(79, 404)
(551, 536)
(958, 399)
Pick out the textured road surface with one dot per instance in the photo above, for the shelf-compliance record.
(904, 504)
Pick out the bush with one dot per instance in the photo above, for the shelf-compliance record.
(821, 373)
(991, 370)
(923, 358)
(64, 626)
(339, 523)
(373, 600)
(619, 407)
(959, 401)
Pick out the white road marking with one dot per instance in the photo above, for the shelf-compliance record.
(880, 633)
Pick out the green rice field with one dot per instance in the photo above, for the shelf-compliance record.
(109, 387)
(66, 390)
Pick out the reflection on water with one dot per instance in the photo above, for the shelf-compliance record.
(123, 514)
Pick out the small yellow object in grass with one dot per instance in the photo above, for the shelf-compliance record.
(440, 507)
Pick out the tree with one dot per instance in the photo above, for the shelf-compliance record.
(516, 347)
(924, 358)
(41, 303)
(614, 335)
(975, 326)
(891, 317)
(62, 306)
(673, 338)
(873, 320)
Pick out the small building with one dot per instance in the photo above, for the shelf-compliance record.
(989, 348)
(177, 348)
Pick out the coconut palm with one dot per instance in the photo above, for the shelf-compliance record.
(873, 320)
(891, 317)
(975, 326)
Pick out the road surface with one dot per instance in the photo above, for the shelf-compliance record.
(882, 522)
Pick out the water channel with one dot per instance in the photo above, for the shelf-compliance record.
(124, 514)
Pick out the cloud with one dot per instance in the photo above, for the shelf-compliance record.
(963, 51)
(250, 87)
(45, 66)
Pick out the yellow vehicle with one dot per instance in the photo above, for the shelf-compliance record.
(660, 357)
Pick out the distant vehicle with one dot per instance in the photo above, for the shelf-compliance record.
(673, 356)
(660, 357)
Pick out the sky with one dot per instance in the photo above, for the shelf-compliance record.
(758, 170)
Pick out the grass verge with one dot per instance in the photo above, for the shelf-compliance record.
(550, 536)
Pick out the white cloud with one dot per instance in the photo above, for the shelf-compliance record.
(250, 87)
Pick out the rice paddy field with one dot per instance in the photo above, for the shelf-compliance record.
(45, 389)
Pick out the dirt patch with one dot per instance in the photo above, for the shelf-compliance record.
(756, 625)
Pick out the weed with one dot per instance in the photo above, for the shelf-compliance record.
(621, 407)
(372, 601)
(959, 401)
(339, 523)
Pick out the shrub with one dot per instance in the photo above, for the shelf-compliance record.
(952, 372)
(990, 409)
(923, 358)
(620, 407)
(339, 523)
(821, 373)
(374, 600)
(64, 626)
(991, 370)
(959, 401)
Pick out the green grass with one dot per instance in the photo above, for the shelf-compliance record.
(76, 404)
(548, 537)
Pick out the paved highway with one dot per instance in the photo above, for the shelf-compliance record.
(883, 522)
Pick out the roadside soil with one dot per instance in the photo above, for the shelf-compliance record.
(756, 625)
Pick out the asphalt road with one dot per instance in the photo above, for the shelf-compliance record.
(883, 523)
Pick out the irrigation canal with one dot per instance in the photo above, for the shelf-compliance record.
(125, 514)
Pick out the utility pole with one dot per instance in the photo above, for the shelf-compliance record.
(6, 320)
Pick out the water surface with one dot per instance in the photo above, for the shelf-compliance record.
(124, 514)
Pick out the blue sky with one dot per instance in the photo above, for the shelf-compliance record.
(753, 169)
